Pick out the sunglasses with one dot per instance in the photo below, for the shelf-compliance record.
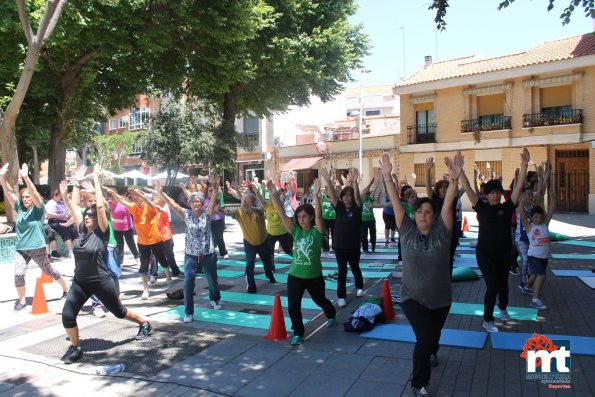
(91, 215)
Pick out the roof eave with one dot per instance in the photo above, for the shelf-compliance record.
(500, 75)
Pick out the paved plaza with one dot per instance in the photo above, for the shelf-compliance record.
(225, 353)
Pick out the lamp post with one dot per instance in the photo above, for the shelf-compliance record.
(360, 118)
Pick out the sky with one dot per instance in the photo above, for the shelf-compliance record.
(473, 27)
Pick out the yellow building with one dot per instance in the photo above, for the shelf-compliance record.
(542, 99)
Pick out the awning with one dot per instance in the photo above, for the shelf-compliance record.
(301, 164)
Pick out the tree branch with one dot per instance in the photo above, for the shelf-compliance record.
(25, 21)
(56, 12)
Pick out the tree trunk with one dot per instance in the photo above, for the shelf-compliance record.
(10, 155)
(57, 160)
(35, 165)
(230, 108)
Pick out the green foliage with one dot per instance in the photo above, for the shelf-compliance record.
(183, 132)
(588, 7)
(110, 149)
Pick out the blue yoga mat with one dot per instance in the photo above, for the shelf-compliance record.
(282, 278)
(512, 341)
(574, 256)
(579, 243)
(465, 262)
(449, 337)
(471, 235)
(262, 300)
(465, 248)
(465, 256)
(572, 273)
(229, 317)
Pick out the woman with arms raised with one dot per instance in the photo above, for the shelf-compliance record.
(91, 273)
(426, 293)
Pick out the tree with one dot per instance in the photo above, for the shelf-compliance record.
(110, 149)
(35, 40)
(182, 132)
(299, 48)
(588, 8)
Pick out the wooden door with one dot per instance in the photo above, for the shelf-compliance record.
(572, 180)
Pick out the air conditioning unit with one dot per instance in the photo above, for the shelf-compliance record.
(277, 142)
(265, 156)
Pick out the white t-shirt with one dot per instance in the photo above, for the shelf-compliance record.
(539, 242)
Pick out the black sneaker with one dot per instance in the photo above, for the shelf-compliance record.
(272, 280)
(73, 354)
(18, 306)
(143, 331)
(433, 360)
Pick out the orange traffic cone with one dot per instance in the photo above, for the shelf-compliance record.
(465, 227)
(277, 329)
(39, 305)
(387, 304)
(45, 278)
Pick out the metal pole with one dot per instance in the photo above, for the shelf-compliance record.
(359, 124)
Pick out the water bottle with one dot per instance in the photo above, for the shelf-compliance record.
(109, 369)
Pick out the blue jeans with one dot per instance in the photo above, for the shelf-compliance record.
(264, 252)
(209, 264)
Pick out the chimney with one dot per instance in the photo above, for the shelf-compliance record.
(428, 59)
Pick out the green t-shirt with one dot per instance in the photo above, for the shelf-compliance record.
(29, 227)
(112, 238)
(368, 210)
(306, 253)
(328, 212)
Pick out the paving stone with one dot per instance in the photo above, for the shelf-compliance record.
(301, 360)
(376, 389)
(388, 370)
(319, 385)
(344, 366)
(273, 382)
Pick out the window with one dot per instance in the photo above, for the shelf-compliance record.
(557, 111)
(122, 123)
(112, 124)
(251, 132)
(491, 169)
(372, 112)
(420, 173)
(137, 149)
(139, 118)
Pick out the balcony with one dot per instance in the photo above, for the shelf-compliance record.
(491, 122)
(421, 133)
(570, 116)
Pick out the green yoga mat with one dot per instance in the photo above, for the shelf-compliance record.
(574, 256)
(326, 272)
(228, 317)
(282, 278)
(263, 300)
(229, 273)
(476, 309)
(377, 265)
(229, 262)
(395, 250)
(580, 243)
(558, 237)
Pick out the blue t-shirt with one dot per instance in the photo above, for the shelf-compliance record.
(29, 227)
(388, 210)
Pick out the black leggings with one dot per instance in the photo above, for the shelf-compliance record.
(79, 293)
(129, 236)
(350, 256)
(295, 292)
(368, 225)
(494, 266)
(168, 251)
(427, 325)
(145, 252)
(217, 229)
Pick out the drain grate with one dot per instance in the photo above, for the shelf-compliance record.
(112, 341)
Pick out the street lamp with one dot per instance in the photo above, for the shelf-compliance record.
(360, 118)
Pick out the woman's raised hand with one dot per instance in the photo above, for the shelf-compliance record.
(323, 172)
(63, 188)
(385, 165)
(316, 190)
(525, 157)
(24, 171)
(429, 163)
(4, 169)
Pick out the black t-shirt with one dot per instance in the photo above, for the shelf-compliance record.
(90, 255)
(494, 226)
(348, 226)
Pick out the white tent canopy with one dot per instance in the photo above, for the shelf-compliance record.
(134, 174)
(163, 176)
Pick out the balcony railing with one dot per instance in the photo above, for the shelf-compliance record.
(571, 116)
(421, 133)
(492, 122)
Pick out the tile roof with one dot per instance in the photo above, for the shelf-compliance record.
(558, 50)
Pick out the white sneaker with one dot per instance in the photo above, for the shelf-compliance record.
(215, 305)
(226, 256)
(504, 316)
(145, 295)
(538, 304)
(98, 312)
(489, 326)
(187, 318)
(168, 282)
(360, 292)
(342, 302)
